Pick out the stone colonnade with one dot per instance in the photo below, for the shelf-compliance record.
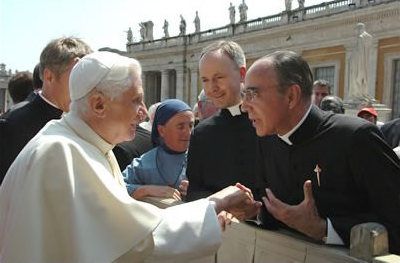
(181, 83)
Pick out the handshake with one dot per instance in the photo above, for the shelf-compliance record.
(236, 201)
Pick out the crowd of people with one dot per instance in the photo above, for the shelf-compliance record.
(265, 144)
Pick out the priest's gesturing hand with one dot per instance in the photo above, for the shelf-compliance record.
(237, 200)
(303, 217)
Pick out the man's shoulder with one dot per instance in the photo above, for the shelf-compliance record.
(346, 122)
(209, 123)
(24, 113)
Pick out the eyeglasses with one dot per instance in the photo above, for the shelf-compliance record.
(249, 94)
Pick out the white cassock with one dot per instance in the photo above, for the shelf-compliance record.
(64, 200)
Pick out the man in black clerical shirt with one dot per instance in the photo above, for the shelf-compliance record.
(312, 168)
(222, 147)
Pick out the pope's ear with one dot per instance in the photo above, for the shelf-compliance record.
(97, 104)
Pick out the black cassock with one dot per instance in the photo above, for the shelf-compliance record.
(20, 126)
(221, 152)
(359, 174)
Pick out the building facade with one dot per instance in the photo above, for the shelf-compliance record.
(323, 34)
(5, 99)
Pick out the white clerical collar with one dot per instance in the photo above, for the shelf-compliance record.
(235, 110)
(86, 133)
(47, 101)
(286, 136)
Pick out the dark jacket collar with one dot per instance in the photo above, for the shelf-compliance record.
(310, 127)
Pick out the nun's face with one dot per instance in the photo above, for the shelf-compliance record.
(176, 132)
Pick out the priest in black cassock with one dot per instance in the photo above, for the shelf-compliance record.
(321, 173)
(222, 147)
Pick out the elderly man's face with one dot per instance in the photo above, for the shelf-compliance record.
(268, 109)
(124, 113)
(176, 132)
(221, 79)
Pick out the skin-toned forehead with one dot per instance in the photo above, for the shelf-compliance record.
(180, 116)
(260, 67)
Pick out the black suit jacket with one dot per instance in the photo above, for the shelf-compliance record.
(125, 152)
(20, 126)
(221, 153)
(391, 131)
(359, 178)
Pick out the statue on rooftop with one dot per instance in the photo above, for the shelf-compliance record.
(182, 27)
(243, 11)
(165, 28)
(288, 5)
(142, 31)
(197, 23)
(301, 4)
(129, 35)
(232, 13)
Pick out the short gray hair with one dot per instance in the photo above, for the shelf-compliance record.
(58, 54)
(230, 48)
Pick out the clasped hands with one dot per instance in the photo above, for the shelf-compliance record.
(303, 217)
(234, 201)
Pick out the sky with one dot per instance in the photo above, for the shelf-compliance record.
(26, 26)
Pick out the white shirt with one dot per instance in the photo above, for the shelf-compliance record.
(235, 110)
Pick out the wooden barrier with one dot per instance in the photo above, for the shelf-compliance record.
(245, 243)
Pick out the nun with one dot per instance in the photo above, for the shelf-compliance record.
(161, 172)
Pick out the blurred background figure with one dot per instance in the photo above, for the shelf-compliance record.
(37, 83)
(368, 113)
(126, 151)
(151, 111)
(196, 114)
(19, 87)
(205, 106)
(332, 103)
(321, 88)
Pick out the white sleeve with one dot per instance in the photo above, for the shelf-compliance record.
(332, 236)
(188, 231)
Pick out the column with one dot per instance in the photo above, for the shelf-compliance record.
(180, 81)
(193, 87)
(349, 49)
(144, 76)
(372, 69)
(164, 84)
